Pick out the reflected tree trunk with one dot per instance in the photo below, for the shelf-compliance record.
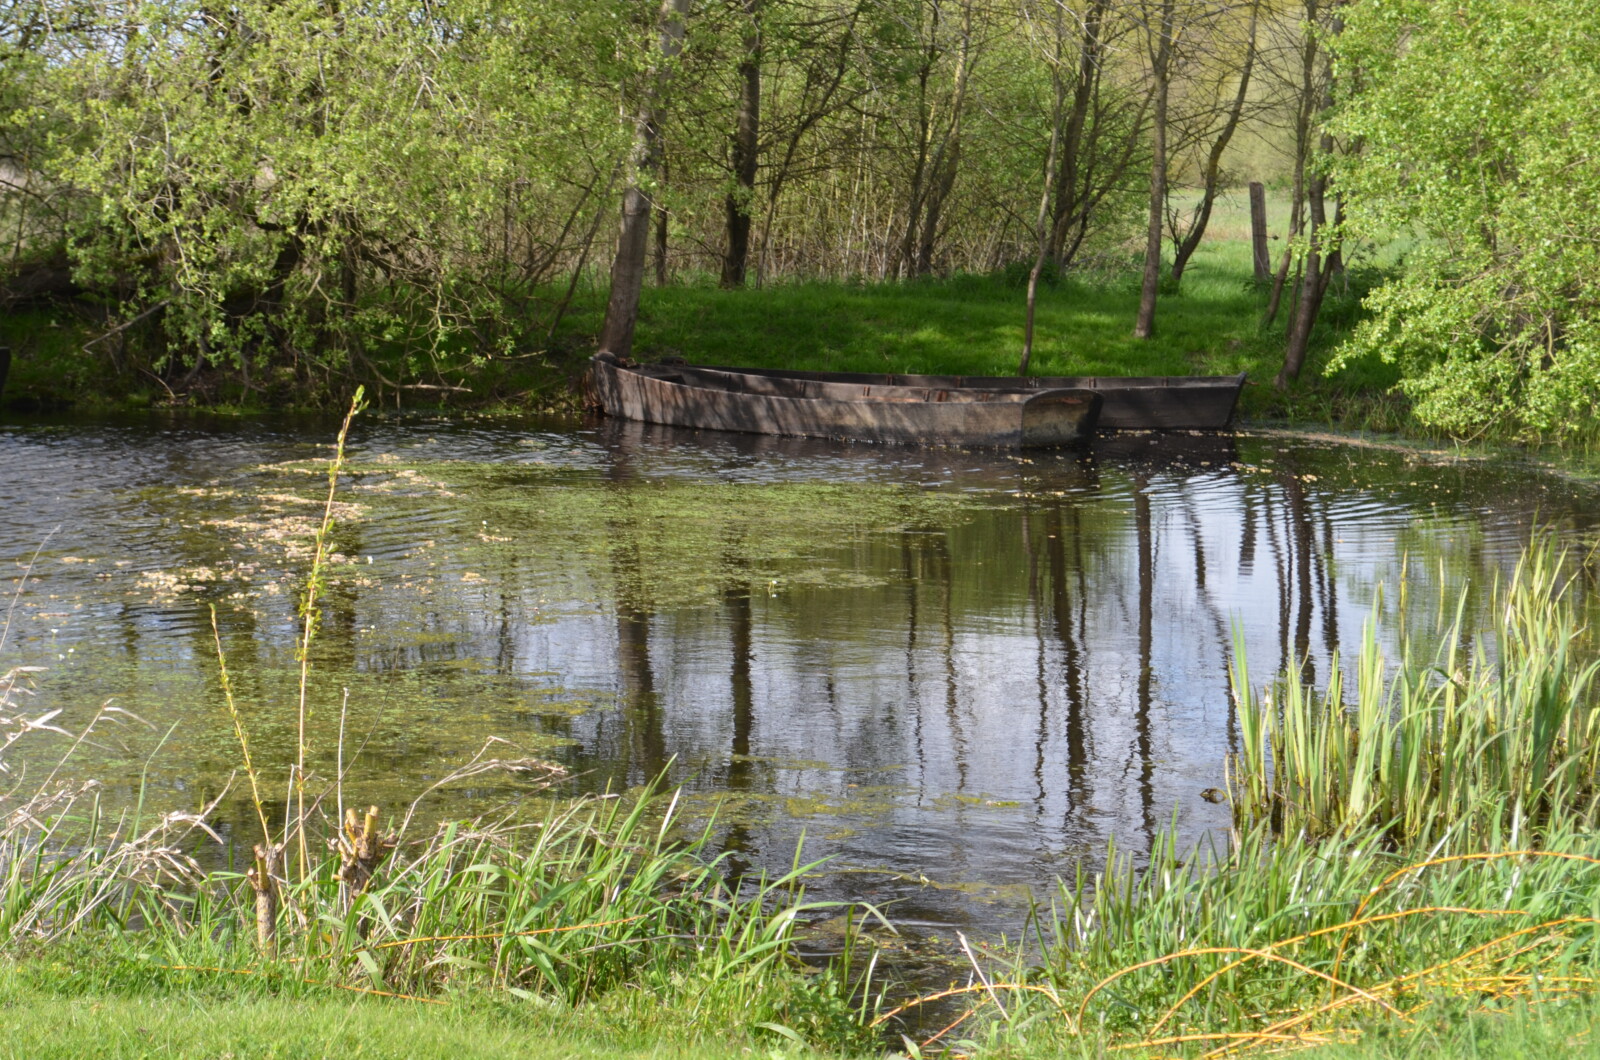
(736, 843)
(1072, 662)
(1144, 741)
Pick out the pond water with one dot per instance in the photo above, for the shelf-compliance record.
(956, 674)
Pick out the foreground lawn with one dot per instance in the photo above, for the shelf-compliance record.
(43, 1013)
(45, 1017)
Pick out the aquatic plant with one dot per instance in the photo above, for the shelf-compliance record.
(1425, 846)
(1477, 734)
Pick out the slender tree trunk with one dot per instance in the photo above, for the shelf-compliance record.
(627, 268)
(1161, 70)
(1302, 148)
(1313, 285)
(1043, 229)
(904, 254)
(1067, 194)
(944, 183)
(1213, 171)
(662, 223)
(660, 254)
(1321, 257)
(947, 159)
(746, 139)
(1281, 277)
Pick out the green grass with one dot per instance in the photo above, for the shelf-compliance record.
(970, 325)
(1539, 1032)
(47, 1011)
(966, 324)
(51, 1010)
(1523, 1033)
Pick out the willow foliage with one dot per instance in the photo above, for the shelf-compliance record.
(283, 184)
(1475, 126)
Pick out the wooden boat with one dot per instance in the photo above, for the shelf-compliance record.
(1130, 403)
(842, 406)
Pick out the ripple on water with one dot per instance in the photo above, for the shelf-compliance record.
(962, 668)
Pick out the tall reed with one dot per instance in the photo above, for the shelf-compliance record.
(1424, 843)
(1482, 730)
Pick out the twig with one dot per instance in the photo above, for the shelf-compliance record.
(125, 325)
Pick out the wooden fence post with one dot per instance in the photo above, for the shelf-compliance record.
(1258, 230)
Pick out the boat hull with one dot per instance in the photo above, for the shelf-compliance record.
(720, 400)
(1139, 403)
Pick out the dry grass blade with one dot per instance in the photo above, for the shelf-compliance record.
(1265, 955)
(981, 988)
(1346, 926)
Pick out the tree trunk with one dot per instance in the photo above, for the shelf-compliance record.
(1043, 230)
(1302, 148)
(1320, 256)
(627, 268)
(1313, 284)
(1067, 197)
(662, 221)
(903, 256)
(1160, 67)
(1213, 171)
(948, 158)
(746, 139)
(1281, 277)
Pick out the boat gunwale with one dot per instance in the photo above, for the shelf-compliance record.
(998, 423)
(886, 393)
(993, 382)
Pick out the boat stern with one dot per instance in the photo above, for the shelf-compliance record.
(1059, 417)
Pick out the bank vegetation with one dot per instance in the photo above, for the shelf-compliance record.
(266, 203)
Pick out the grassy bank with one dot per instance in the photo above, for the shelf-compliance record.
(969, 324)
(103, 1010)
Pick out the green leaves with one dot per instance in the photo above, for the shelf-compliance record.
(296, 182)
(1475, 126)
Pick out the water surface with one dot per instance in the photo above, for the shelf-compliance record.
(956, 674)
